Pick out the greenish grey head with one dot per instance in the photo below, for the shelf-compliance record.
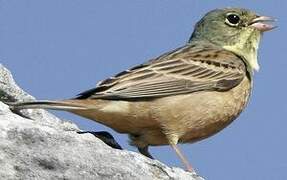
(235, 29)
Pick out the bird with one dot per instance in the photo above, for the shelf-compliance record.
(182, 96)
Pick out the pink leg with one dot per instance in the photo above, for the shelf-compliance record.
(182, 158)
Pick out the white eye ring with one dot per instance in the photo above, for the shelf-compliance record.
(232, 19)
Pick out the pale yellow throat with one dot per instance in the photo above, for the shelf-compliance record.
(247, 47)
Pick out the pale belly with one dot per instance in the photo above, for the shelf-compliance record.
(188, 117)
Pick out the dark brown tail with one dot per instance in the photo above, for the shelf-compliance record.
(65, 105)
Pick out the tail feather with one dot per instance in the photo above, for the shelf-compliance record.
(54, 105)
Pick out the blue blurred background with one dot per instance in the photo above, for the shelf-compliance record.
(56, 49)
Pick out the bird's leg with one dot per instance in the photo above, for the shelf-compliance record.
(182, 158)
(138, 141)
(144, 151)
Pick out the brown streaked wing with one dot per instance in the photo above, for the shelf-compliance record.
(185, 70)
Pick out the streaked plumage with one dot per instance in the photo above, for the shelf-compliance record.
(184, 95)
(194, 67)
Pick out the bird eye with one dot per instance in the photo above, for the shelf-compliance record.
(232, 19)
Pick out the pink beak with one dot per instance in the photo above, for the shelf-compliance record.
(261, 23)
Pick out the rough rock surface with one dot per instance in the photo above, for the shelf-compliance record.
(42, 146)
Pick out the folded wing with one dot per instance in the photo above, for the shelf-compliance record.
(188, 69)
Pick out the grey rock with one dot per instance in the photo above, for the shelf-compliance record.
(38, 145)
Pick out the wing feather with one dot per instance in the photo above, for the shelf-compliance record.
(188, 69)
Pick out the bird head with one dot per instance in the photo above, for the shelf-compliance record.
(234, 29)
